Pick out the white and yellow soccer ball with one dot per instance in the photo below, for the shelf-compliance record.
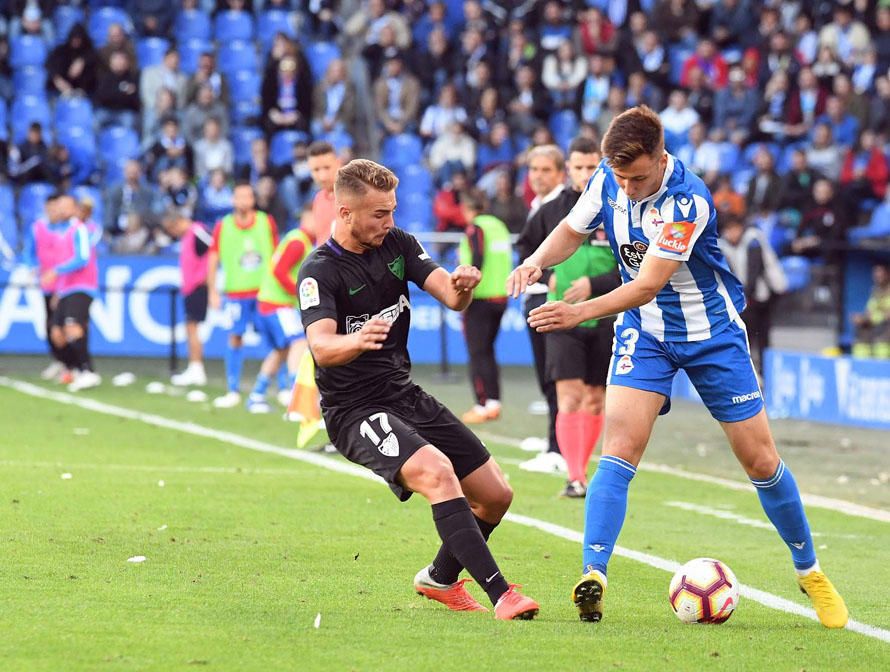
(704, 590)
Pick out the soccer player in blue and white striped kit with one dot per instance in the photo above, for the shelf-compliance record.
(678, 308)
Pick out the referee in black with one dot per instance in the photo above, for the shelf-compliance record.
(353, 294)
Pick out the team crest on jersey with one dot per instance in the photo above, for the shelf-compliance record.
(309, 295)
(625, 365)
(655, 217)
(354, 322)
(397, 267)
(632, 254)
(676, 236)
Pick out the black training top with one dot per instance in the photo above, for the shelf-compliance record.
(352, 288)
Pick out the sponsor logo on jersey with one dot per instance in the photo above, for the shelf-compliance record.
(354, 322)
(632, 254)
(309, 295)
(676, 236)
(397, 267)
(742, 398)
(625, 365)
(389, 314)
(615, 206)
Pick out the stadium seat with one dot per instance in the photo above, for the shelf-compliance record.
(64, 19)
(233, 25)
(247, 111)
(235, 56)
(25, 110)
(242, 137)
(73, 111)
(151, 50)
(415, 179)
(117, 145)
(797, 270)
(9, 228)
(319, 55)
(677, 57)
(339, 139)
(102, 18)
(190, 51)
(878, 226)
(564, 126)
(81, 144)
(245, 85)
(281, 150)
(415, 211)
(29, 80)
(192, 24)
(402, 150)
(272, 22)
(31, 199)
(27, 50)
(4, 116)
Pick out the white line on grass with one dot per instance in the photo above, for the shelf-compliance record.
(818, 501)
(164, 469)
(762, 597)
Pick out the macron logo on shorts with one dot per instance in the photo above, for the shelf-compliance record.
(742, 398)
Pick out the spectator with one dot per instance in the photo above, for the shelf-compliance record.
(151, 18)
(529, 104)
(479, 80)
(554, 29)
(677, 20)
(677, 118)
(214, 197)
(854, 103)
(864, 174)
(700, 95)
(438, 117)
(474, 50)
(434, 19)
(596, 32)
(826, 66)
(71, 66)
(845, 35)
(778, 56)
(170, 150)
(334, 104)
(5, 69)
(435, 62)
(134, 237)
(873, 325)
(824, 155)
(257, 165)
(730, 22)
(616, 103)
(396, 98)
(59, 166)
(727, 200)
(689, 152)
(213, 151)
(446, 204)
(882, 37)
(177, 192)
(642, 92)
(364, 26)
(165, 74)
(764, 190)
(805, 104)
(843, 124)
(496, 151)
(653, 58)
(736, 106)
(564, 70)
(807, 46)
(295, 185)
(879, 113)
(153, 117)
(118, 40)
(269, 201)
(132, 196)
(594, 90)
(490, 112)
(822, 228)
(32, 23)
(375, 54)
(774, 112)
(30, 161)
(323, 21)
(506, 205)
(117, 93)
(797, 184)
(711, 63)
(452, 151)
(205, 106)
(207, 74)
(285, 105)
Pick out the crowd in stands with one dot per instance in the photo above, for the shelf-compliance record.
(148, 105)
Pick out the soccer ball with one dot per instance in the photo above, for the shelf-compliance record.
(704, 590)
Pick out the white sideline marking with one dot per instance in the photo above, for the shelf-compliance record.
(762, 597)
(725, 515)
(818, 501)
(246, 471)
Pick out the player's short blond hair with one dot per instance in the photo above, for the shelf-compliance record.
(551, 152)
(633, 133)
(360, 175)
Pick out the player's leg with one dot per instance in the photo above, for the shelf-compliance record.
(233, 358)
(480, 352)
(570, 430)
(545, 384)
(491, 374)
(57, 366)
(195, 313)
(593, 404)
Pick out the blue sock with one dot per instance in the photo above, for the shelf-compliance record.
(780, 499)
(283, 378)
(606, 505)
(234, 359)
(261, 385)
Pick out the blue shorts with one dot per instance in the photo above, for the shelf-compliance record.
(720, 368)
(241, 312)
(280, 328)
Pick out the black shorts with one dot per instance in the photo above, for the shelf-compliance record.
(383, 437)
(582, 352)
(73, 309)
(196, 305)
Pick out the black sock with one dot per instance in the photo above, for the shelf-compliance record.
(68, 357)
(446, 568)
(81, 354)
(56, 352)
(462, 537)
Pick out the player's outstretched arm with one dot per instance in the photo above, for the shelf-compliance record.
(556, 248)
(212, 292)
(654, 274)
(332, 349)
(455, 289)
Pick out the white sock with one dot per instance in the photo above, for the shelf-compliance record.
(814, 568)
(492, 405)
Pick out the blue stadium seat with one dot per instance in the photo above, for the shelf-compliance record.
(29, 80)
(81, 144)
(797, 270)
(281, 150)
(7, 199)
(415, 211)
(564, 126)
(9, 228)
(31, 200)
(27, 109)
(339, 139)
(242, 137)
(235, 56)
(245, 85)
(729, 157)
(233, 25)
(192, 24)
(415, 179)
(4, 132)
(102, 18)
(402, 150)
(752, 149)
(27, 50)
(117, 144)
(151, 50)
(319, 55)
(73, 111)
(190, 51)
(64, 19)
(271, 22)
(246, 111)
(677, 57)
(878, 227)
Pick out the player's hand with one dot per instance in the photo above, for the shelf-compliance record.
(555, 316)
(372, 334)
(464, 278)
(214, 299)
(54, 302)
(48, 277)
(579, 290)
(521, 277)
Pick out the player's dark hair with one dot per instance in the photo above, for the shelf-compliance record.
(359, 175)
(633, 133)
(583, 145)
(475, 199)
(551, 152)
(320, 148)
(242, 182)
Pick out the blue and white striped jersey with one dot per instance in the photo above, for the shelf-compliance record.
(677, 222)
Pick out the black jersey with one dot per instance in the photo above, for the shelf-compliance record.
(351, 289)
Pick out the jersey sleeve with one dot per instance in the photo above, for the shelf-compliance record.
(317, 291)
(289, 258)
(587, 213)
(418, 264)
(683, 219)
(217, 229)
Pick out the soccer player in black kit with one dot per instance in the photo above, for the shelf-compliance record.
(354, 302)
